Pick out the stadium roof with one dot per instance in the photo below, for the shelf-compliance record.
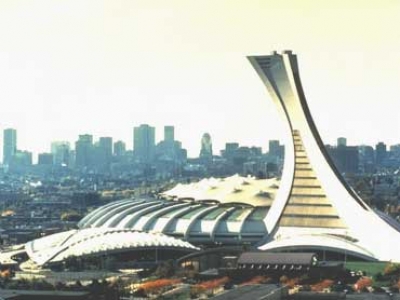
(96, 241)
(327, 242)
(248, 190)
(197, 221)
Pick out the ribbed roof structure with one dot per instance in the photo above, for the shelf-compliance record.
(226, 211)
(97, 241)
(206, 221)
(233, 189)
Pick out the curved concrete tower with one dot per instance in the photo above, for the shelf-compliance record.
(315, 208)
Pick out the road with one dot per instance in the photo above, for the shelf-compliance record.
(247, 292)
(371, 296)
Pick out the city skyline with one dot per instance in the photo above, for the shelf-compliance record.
(169, 136)
(70, 68)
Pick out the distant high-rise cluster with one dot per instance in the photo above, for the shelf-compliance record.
(93, 155)
(101, 156)
(170, 150)
(12, 157)
(168, 155)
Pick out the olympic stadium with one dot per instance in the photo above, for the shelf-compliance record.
(309, 208)
(228, 211)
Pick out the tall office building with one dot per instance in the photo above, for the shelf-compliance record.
(21, 159)
(119, 148)
(61, 153)
(45, 159)
(275, 148)
(144, 143)
(342, 142)
(84, 151)
(230, 150)
(169, 150)
(169, 133)
(106, 145)
(366, 158)
(9, 145)
(102, 154)
(206, 147)
(346, 158)
(380, 153)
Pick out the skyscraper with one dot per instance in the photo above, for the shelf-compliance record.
(45, 159)
(380, 153)
(106, 145)
(346, 158)
(9, 145)
(342, 141)
(84, 151)
(275, 149)
(102, 154)
(119, 148)
(61, 153)
(21, 159)
(144, 143)
(206, 147)
(230, 150)
(367, 158)
(169, 133)
(169, 151)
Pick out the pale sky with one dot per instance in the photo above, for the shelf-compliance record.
(102, 67)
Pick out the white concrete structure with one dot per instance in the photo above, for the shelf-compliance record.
(315, 208)
(233, 189)
(98, 241)
(230, 211)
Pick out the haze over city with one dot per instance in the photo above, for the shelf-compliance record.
(74, 67)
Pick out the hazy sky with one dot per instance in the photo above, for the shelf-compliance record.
(103, 67)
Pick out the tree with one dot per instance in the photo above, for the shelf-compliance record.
(283, 279)
(110, 263)
(392, 269)
(320, 286)
(165, 269)
(363, 283)
(71, 216)
(71, 263)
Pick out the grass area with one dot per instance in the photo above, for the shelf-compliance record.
(371, 268)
